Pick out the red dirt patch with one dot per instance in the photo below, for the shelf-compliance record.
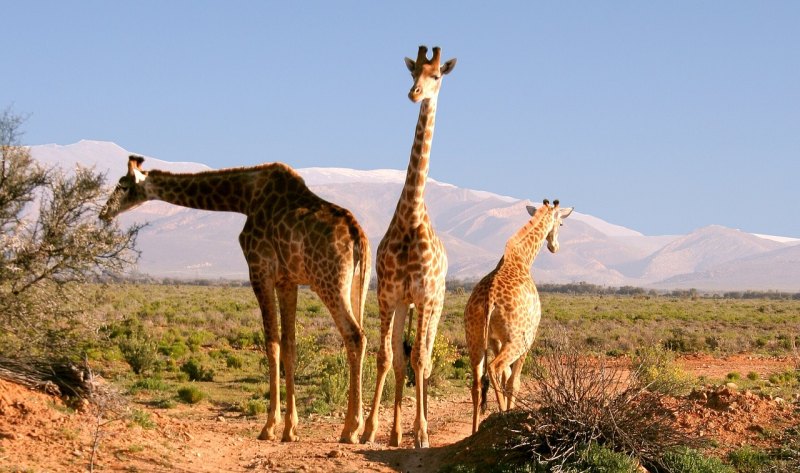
(38, 432)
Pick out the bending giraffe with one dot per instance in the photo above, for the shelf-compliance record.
(503, 311)
(411, 264)
(291, 237)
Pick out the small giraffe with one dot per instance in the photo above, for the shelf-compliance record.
(411, 264)
(291, 237)
(503, 311)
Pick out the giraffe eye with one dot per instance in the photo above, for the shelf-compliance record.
(437, 77)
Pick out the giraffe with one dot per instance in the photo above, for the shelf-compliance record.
(503, 311)
(411, 264)
(291, 237)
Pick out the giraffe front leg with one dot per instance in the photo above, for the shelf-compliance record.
(384, 361)
(287, 299)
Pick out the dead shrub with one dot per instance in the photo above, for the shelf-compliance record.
(577, 401)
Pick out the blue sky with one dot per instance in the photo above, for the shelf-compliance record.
(660, 116)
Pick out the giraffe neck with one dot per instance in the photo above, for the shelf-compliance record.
(412, 202)
(225, 191)
(523, 247)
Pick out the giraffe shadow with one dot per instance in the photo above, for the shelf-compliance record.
(409, 459)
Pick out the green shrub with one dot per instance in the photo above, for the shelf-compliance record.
(749, 460)
(199, 338)
(655, 368)
(196, 371)
(165, 403)
(139, 352)
(688, 460)
(307, 356)
(733, 376)
(785, 378)
(335, 380)
(599, 458)
(142, 419)
(253, 407)
(149, 384)
(176, 349)
(191, 394)
(234, 361)
(443, 355)
(752, 376)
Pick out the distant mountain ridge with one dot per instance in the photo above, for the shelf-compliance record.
(474, 225)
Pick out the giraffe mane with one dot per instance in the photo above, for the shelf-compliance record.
(235, 170)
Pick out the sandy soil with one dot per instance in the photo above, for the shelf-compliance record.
(38, 433)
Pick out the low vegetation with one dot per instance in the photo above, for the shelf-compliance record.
(169, 345)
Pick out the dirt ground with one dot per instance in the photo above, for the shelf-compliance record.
(37, 433)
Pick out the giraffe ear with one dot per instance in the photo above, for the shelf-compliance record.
(410, 64)
(531, 209)
(566, 212)
(448, 66)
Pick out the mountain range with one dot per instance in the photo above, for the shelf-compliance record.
(474, 225)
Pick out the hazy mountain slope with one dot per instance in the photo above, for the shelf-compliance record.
(474, 226)
(774, 270)
(703, 249)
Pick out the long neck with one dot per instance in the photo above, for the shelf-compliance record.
(218, 191)
(523, 247)
(411, 200)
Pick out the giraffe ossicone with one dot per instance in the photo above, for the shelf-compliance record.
(503, 312)
(291, 237)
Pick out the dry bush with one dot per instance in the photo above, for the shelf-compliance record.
(576, 401)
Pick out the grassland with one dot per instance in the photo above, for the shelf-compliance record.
(210, 336)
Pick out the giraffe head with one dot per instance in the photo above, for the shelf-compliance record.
(129, 192)
(558, 215)
(427, 74)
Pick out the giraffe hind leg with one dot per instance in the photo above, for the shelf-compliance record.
(265, 294)
(399, 366)
(338, 303)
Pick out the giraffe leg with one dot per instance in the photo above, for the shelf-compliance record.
(287, 300)
(265, 293)
(433, 325)
(421, 361)
(384, 360)
(477, 374)
(399, 365)
(498, 371)
(497, 382)
(512, 385)
(355, 344)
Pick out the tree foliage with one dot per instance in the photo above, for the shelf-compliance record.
(51, 242)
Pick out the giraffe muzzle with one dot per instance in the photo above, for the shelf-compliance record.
(415, 94)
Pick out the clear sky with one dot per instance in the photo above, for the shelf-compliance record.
(660, 116)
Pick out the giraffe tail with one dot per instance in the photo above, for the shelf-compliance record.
(361, 274)
(485, 378)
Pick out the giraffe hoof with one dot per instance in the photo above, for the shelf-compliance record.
(349, 438)
(423, 444)
(368, 437)
(266, 435)
(394, 440)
